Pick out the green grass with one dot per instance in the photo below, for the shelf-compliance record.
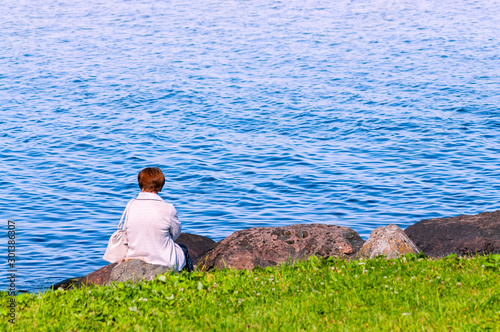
(407, 294)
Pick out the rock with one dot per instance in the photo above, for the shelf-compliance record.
(67, 283)
(136, 270)
(390, 241)
(133, 270)
(197, 245)
(462, 235)
(270, 246)
(98, 277)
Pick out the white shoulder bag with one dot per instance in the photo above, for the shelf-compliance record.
(118, 242)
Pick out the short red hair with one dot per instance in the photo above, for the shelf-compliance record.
(151, 179)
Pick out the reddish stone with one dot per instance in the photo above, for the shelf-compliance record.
(270, 246)
(98, 277)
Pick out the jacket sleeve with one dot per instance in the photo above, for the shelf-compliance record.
(175, 225)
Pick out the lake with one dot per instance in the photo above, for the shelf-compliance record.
(260, 113)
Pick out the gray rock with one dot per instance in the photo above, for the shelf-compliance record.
(270, 246)
(462, 235)
(135, 270)
(390, 241)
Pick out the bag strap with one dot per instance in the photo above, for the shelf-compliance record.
(125, 212)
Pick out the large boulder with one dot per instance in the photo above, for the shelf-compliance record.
(390, 241)
(270, 246)
(462, 235)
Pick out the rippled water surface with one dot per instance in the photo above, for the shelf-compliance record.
(260, 113)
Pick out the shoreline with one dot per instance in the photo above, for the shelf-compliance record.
(465, 235)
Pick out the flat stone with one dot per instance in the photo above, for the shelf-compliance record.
(135, 270)
(270, 246)
(462, 235)
(98, 277)
(390, 241)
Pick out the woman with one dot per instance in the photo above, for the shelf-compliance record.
(152, 225)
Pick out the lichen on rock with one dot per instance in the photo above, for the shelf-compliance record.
(390, 241)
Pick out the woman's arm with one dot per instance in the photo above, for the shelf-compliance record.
(175, 225)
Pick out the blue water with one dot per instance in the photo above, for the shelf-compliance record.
(260, 113)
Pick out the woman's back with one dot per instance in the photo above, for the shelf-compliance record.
(152, 227)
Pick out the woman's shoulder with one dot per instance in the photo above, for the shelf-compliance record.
(170, 208)
(166, 206)
(162, 204)
(155, 200)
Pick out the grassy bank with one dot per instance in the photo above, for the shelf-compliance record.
(407, 294)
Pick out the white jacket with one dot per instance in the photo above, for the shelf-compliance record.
(152, 227)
